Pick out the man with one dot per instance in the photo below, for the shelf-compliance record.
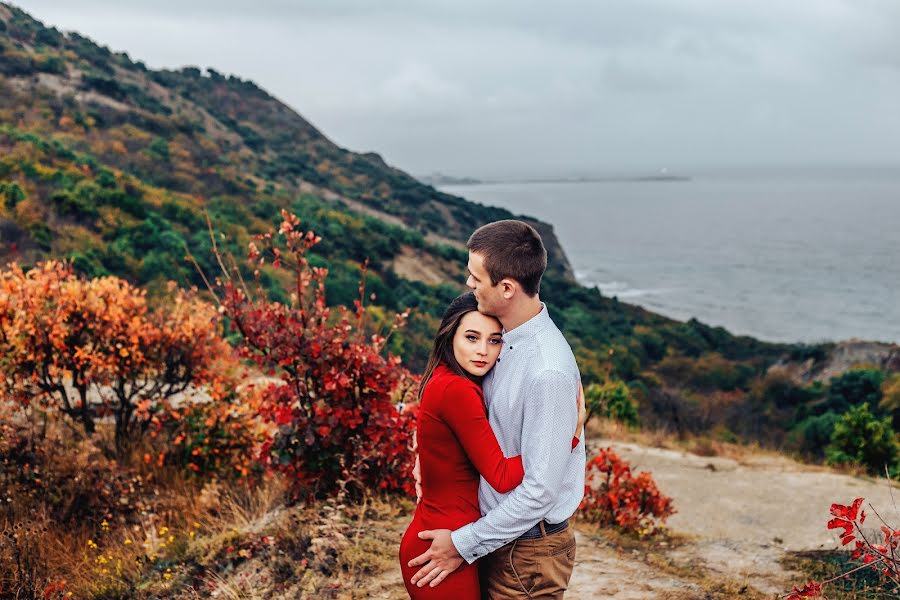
(523, 536)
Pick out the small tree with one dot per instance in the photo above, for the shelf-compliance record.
(93, 348)
(862, 438)
(334, 409)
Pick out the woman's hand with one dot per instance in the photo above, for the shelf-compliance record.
(417, 476)
(582, 415)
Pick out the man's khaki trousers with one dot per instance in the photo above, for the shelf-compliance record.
(531, 569)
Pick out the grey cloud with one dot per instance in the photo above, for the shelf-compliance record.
(487, 88)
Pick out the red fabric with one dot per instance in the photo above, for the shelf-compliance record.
(456, 444)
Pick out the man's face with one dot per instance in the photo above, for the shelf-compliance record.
(490, 299)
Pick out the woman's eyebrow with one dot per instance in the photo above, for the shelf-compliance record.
(473, 331)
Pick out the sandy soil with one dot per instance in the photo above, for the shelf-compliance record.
(739, 518)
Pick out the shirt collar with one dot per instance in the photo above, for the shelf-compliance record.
(527, 329)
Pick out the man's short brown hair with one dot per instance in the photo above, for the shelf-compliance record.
(511, 249)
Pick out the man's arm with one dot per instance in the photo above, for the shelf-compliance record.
(548, 422)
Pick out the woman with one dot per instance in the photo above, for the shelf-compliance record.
(456, 443)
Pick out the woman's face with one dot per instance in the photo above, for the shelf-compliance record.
(477, 343)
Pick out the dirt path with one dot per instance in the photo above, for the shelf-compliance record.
(735, 520)
(740, 518)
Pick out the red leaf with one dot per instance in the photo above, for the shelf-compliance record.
(841, 523)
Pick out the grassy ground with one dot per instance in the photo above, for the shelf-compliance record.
(824, 565)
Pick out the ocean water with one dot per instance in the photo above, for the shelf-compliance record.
(780, 255)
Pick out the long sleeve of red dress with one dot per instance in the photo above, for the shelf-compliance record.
(456, 444)
(463, 410)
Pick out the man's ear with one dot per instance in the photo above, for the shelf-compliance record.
(508, 288)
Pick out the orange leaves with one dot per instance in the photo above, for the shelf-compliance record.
(100, 336)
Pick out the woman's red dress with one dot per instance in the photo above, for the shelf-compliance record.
(456, 444)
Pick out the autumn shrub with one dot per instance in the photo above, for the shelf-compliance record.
(890, 398)
(709, 372)
(336, 426)
(614, 496)
(778, 389)
(94, 348)
(213, 438)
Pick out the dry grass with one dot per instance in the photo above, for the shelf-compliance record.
(823, 565)
(706, 445)
(140, 530)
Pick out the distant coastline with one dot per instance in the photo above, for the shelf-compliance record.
(743, 249)
(439, 179)
(450, 181)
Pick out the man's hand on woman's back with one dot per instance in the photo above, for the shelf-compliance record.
(417, 475)
(582, 417)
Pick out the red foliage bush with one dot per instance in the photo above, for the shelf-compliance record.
(881, 557)
(632, 503)
(334, 416)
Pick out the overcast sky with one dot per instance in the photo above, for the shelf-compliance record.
(523, 88)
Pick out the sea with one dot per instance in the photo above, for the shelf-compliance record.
(794, 255)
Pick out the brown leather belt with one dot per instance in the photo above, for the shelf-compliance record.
(535, 532)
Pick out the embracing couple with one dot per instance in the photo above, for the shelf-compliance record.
(499, 469)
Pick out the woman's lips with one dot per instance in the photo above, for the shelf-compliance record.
(479, 363)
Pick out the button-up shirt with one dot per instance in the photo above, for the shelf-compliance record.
(531, 396)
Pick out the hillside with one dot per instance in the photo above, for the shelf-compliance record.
(194, 132)
(113, 166)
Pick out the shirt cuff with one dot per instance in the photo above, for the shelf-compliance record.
(464, 540)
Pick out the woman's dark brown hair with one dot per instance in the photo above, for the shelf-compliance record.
(442, 351)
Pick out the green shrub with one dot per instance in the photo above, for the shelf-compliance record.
(855, 387)
(47, 37)
(12, 193)
(159, 148)
(52, 64)
(862, 438)
(815, 433)
(612, 400)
